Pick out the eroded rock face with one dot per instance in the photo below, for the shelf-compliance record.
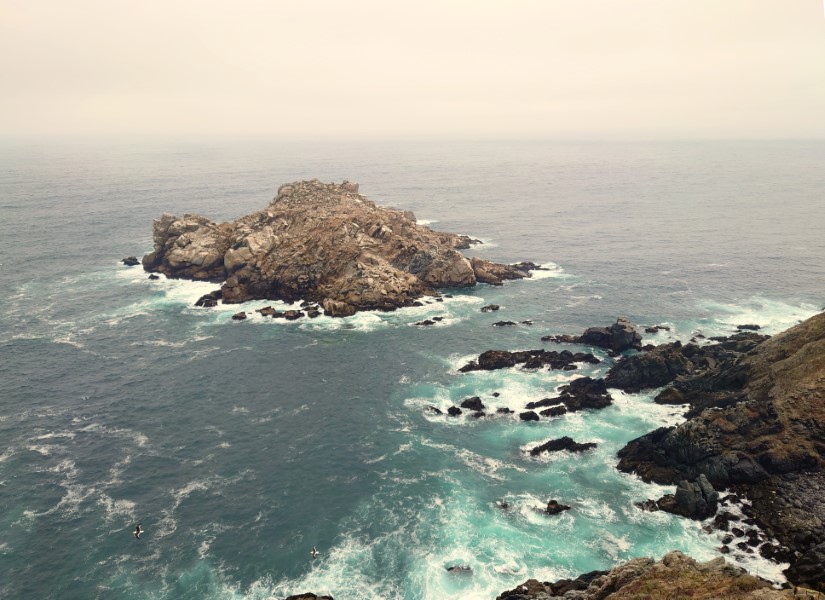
(325, 243)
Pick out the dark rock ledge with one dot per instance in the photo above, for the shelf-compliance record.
(324, 243)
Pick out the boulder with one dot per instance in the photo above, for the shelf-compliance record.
(130, 261)
(153, 277)
(528, 416)
(454, 411)
(239, 316)
(490, 308)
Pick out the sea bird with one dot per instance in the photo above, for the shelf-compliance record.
(137, 531)
(314, 552)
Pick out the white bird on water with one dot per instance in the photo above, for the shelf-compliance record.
(314, 552)
(137, 531)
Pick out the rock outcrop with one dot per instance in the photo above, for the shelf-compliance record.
(693, 499)
(675, 576)
(620, 336)
(325, 243)
(695, 368)
(757, 424)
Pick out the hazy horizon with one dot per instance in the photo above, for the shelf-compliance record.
(593, 70)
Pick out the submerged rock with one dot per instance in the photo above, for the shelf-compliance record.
(325, 243)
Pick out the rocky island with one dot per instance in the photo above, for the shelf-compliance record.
(323, 243)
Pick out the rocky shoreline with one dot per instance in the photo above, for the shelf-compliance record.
(324, 243)
(755, 424)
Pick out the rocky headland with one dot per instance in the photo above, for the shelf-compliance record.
(756, 424)
(325, 243)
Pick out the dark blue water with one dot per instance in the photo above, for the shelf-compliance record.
(239, 446)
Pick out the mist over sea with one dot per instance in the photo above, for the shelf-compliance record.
(240, 445)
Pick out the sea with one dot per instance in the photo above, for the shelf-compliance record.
(239, 446)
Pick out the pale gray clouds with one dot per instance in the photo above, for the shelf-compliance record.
(370, 68)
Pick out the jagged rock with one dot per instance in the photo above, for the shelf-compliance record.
(528, 416)
(321, 242)
(209, 300)
(473, 403)
(620, 336)
(554, 508)
(268, 311)
(435, 410)
(490, 308)
(657, 328)
(454, 411)
(153, 277)
(562, 443)
(130, 261)
(694, 500)
(292, 315)
(239, 316)
(580, 394)
(504, 323)
(649, 370)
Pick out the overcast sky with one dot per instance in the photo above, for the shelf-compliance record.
(383, 68)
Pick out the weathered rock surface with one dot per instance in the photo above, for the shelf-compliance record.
(531, 359)
(620, 336)
(756, 423)
(325, 243)
(675, 576)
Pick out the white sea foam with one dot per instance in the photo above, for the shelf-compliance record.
(548, 270)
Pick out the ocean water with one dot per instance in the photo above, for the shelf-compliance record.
(240, 445)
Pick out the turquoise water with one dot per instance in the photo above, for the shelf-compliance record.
(240, 445)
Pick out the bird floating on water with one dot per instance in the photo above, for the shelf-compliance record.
(314, 552)
(137, 531)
